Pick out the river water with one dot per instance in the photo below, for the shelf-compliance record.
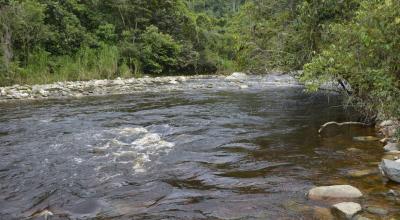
(212, 152)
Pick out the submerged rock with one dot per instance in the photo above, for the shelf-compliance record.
(354, 150)
(392, 155)
(366, 138)
(362, 173)
(360, 217)
(346, 210)
(334, 192)
(391, 169)
(376, 210)
(321, 213)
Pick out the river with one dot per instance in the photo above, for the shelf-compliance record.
(216, 152)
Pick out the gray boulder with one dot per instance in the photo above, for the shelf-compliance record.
(346, 210)
(392, 147)
(391, 169)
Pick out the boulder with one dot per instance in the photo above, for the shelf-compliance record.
(334, 192)
(236, 77)
(391, 169)
(346, 210)
(392, 147)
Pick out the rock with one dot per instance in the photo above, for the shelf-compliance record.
(24, 95)
(384, 140)
(393, 155)
(387, 123)
(45, 214)
(3, 92)
(360, 217)
(334, 192)
(118, 82)
(392, 193)
(354, 150)
(346, 210)
(296, 207)
(244, 86)
(376, 210)
(236, 77)
(322, 214)
(181, 79)
(389, 131)
(392, 147)
(391, 170)
(173, 81)
(42, 92)
(366, 138)
(361, 173)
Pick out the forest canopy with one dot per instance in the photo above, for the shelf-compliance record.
(356, 41)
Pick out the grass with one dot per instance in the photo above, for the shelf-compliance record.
(87, 64)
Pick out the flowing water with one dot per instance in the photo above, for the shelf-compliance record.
(214, 152)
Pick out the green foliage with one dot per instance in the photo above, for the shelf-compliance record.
(48, 40)
(159, 52)
(365, 52)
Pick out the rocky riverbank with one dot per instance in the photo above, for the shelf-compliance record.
(390, 165)
(78, 89)
(345, 201)
(86, 88)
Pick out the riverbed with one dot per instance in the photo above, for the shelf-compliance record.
(204, 148)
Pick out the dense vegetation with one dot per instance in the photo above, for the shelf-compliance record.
(47, 40)
(354, 41)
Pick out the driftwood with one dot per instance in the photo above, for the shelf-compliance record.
(340, 124)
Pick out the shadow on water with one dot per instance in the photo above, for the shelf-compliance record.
(198, 154)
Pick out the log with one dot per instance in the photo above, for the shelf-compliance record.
(340, 124)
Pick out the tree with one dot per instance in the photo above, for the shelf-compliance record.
(160, 51)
